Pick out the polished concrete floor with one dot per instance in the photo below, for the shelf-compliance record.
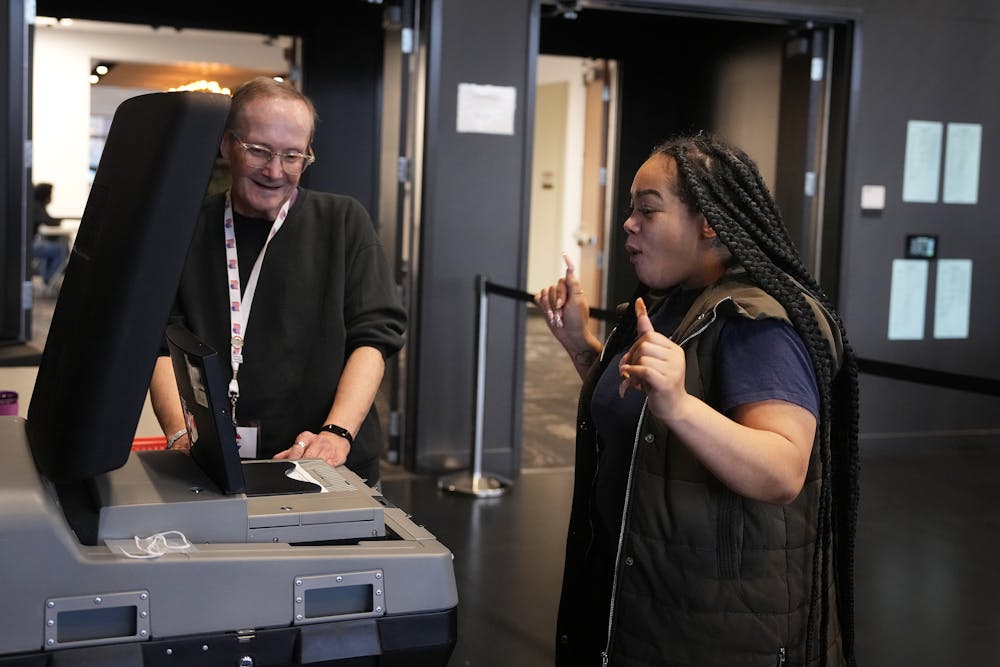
(927, 559)
(927, 590)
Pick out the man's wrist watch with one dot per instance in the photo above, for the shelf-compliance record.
(339, 430)
(172, 440)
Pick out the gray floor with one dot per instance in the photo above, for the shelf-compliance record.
(551, 389)
(926, 561)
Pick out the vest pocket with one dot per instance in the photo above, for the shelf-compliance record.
(729, 534)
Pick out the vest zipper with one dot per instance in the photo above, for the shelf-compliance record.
(781, 656)
(621, 538)
(606, 341)
(593, 480)
(605, 654)
(704, 326)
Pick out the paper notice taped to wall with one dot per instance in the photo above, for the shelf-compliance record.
(922, 163)
(486, 109)
(961, 163)
(952, 298)
(908, 299)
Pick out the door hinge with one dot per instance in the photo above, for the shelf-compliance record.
(403, 169)
(818, 67)
(810, 185)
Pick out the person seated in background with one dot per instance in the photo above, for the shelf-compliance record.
(50, 252)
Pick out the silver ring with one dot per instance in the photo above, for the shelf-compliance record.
(301, 444)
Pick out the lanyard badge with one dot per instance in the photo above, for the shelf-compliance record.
(240, 301)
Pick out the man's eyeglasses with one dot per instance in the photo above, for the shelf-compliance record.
(257, 156)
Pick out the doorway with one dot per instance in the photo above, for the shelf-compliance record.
(82, 70)
(776, 85)
(572, 141)
(569, 214)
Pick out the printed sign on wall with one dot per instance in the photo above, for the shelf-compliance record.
(952, 298)
(922, 163)
(486, 109)
(961, 163)
(908, 299)
(962, 147)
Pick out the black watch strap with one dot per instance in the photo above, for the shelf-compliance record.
(339, 430)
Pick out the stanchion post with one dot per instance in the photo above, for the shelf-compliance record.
(474, 482)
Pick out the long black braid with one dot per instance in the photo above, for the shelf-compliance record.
(724, 184)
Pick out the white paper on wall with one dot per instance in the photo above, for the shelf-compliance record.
(922, 163)
(485, 109)
(961, 163)
(908, 299)
(952, 298)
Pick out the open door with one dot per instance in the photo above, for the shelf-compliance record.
(803, 114)
(590, 236)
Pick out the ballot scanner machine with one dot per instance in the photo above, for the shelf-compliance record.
(114, 557)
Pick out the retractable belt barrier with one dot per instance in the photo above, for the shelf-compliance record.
(972, 383)
(477, 483)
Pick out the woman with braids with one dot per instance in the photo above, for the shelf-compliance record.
(716, 491)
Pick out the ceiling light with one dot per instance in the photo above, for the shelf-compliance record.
(100, 69)
(204, 86)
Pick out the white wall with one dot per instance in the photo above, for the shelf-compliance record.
(746, 110)
(547, 261)
(63, 59)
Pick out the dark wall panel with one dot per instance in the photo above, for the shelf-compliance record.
(14, 308)
(342, 73)
(473, 221)
(922, 61)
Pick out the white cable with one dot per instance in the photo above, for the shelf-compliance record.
(159, 544)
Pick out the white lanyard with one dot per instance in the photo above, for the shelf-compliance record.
(239, 305)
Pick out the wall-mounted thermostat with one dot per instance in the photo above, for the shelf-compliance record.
(921, 246)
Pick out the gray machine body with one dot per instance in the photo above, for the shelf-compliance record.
(157, 491)
(236, 578)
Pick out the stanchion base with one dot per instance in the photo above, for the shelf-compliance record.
(481, 486)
